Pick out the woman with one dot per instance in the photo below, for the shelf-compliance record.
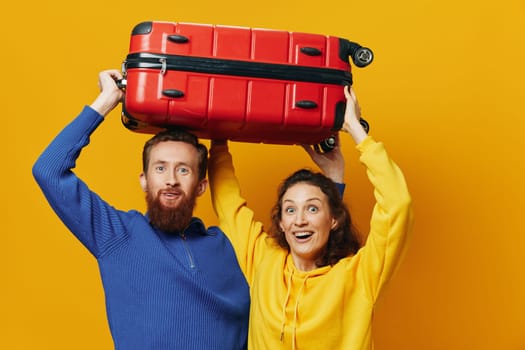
(311, 284)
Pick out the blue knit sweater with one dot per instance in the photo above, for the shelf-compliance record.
(162, 291)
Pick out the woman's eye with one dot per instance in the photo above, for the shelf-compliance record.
(289, 210)
(313, 209)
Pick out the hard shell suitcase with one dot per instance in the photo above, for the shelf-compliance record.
(237, 83)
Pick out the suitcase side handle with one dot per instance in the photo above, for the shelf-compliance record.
(173, 93)
(306, 104)
(361, 56)
(311, 51)
(177, 38)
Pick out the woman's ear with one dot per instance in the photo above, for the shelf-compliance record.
(334, 224)
(143, 182)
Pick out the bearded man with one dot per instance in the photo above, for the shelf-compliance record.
(169, 282)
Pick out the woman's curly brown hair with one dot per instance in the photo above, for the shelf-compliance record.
(343, 240)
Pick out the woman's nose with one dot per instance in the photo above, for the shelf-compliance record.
(300, 219)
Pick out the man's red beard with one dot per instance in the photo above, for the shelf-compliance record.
(170, 219)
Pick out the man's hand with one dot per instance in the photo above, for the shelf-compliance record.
(110, 95)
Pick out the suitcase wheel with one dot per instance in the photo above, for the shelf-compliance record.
(362, 57)
(327, 145)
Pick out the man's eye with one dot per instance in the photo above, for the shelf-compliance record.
(183, 170)
(159, 168)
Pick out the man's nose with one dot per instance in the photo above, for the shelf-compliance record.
(171, 178)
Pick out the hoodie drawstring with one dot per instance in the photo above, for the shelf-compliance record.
(296, 307)
(296, 310)
(288, 292)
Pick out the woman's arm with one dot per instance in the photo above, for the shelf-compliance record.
(236, 220)
(392, 215)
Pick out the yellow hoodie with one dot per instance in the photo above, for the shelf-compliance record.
(330, 307)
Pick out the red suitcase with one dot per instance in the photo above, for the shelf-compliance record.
(237, 83)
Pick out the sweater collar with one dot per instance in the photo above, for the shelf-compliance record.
(195, 227)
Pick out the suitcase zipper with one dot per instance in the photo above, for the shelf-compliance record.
(237, 68)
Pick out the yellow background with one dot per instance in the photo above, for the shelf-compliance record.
(445, 94)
